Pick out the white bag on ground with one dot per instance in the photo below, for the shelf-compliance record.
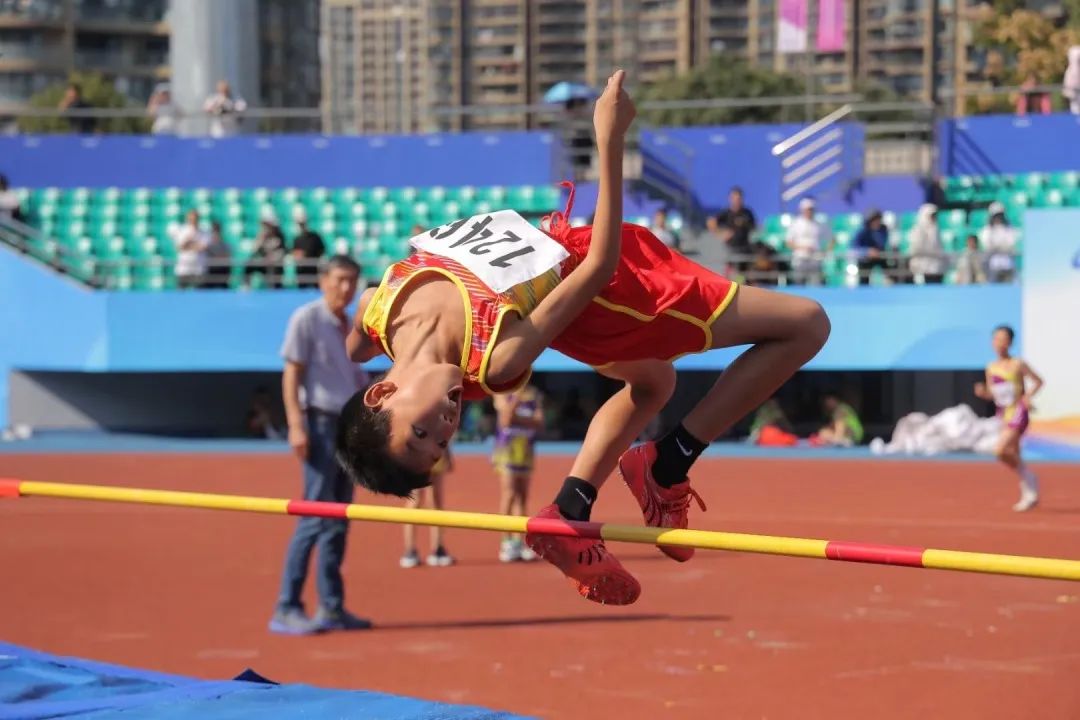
(955, 429)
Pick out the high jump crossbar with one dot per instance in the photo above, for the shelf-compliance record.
(987, 563)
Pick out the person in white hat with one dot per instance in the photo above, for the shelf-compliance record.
(806, 238)
(269, 250)
(307, 248)
(998, 240)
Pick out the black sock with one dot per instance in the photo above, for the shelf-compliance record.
(675, 453)
(576, 499)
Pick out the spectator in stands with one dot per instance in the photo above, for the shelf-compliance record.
(308, 248)
(807, 238)
(927, 254)
(764, 268)
(738, 222)
(1071, 83)
(224, 110)
(661, 230)
(999, 242)
(73, 100)
(714, 250)
(165, 113)
(318, 379)
(969, 266)
(218, 259)
(1031, 101)
(871, 243)
(269, 250)
(191, 244)
(9, 202)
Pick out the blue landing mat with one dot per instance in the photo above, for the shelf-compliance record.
(35, 686)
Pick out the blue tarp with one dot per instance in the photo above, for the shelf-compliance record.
(35, 685)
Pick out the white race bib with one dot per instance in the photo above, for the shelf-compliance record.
(500, 248)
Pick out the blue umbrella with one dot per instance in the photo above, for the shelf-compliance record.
(565, 91)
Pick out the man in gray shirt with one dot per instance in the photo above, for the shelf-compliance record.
(318, 379)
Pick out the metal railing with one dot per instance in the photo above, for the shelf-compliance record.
(324, 120)
(763, 266)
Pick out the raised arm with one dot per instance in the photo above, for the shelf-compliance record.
(360, 347)
(1034, 377)
(982, 389)
(524, 342)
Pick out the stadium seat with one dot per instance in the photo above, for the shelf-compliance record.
(1065, 181)
(1032, 182)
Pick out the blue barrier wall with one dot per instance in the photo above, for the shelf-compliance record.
(1008, 144)
(507, 158)
(723, 156)
(48, 323)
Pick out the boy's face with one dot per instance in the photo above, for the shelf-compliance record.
(425, 410)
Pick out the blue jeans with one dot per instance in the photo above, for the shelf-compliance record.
(323, 480)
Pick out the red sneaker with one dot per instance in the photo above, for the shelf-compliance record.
(589, 566)
(661, 506)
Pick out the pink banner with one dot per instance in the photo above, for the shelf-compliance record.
(830, 29)
(791, 28)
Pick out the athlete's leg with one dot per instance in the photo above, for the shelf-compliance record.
(597, 574)
(786, 331)
(436, 490)
(618, 422)
(412, 502)
(521, 483)
(1008, 452)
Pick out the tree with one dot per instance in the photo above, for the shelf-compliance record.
(1020, 43)
(97, 92)
(722, 78)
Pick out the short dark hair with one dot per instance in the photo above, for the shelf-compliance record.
(363, 437)
(736, 189)
(339, 262)
(1007, 329)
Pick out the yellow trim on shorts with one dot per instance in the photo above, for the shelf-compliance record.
(704, 325)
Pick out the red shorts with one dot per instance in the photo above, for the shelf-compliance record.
(659, 305)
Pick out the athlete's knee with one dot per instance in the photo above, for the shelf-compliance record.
(654, 387)
(814, 324)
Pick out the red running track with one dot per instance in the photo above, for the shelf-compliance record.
(726, 635)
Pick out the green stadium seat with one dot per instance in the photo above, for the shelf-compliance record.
(167, 196)
(494, 194)
(549, 198)
(1065, 181)
(952, 219)
(404, 195)
(850, 222)
(434, 195)
(1033, 182)
(1051, 197)
(463, 194)
(75, 196)
(905, 221)
(959, 188)
(375, 197)
(327, 227)
(773, 224)
(952, 240)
